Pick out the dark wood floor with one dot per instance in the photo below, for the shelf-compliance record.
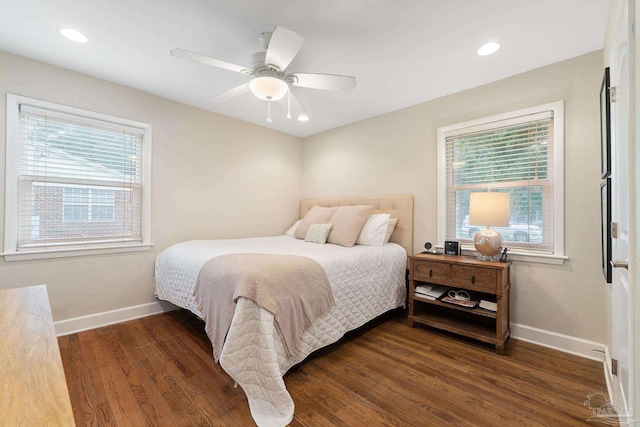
(159, 371)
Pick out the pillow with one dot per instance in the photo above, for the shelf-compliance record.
(293, 228)
(374, 230)
(390, 228)
(318, 233)
(317, 215)
(347, 223)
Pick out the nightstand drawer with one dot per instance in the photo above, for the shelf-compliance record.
(474, 278)
(432, 272)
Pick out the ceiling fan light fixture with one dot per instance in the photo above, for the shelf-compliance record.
(303, 117)
(268, 88)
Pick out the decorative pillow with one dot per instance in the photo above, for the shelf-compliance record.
(347, 223)
(390, 228)
(318, 233)
(293, 229)
(317, 215)
(374, 230)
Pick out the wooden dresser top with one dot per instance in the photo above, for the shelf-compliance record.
(34, 387)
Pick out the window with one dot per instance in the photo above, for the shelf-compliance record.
(520, 153)
(77, 182)
(85, 205)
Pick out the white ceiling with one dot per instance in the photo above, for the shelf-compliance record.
(402, 52)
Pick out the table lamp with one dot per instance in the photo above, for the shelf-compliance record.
(491, 210)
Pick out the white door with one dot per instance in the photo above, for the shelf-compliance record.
(621, 66)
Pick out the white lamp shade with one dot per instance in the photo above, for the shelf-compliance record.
(268, 88)
(489, 209)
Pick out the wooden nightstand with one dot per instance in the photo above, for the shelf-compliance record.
(481, 279)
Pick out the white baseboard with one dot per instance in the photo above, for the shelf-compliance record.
(568, 344)
(93, 321)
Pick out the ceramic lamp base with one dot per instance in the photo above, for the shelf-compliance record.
(489, 243)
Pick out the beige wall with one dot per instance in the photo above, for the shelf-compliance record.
(217, 177)
(213, 177)
(396, 153)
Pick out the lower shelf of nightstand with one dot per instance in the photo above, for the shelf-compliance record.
(476, 311)
(478, 331)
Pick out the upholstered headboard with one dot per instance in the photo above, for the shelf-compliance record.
(400, 207)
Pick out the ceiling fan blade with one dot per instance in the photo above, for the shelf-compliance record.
(192, 56)
(232, 94)
(283, 47)
(322, 81)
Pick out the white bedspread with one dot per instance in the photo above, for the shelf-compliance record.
(366, 281)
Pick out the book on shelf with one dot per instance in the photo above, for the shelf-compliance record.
(431, 292)
(488, 305)
(462, 303)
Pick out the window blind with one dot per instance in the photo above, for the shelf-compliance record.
(514, 156)
(79, 179)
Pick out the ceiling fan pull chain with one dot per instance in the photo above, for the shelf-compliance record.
(269, 111)
(289, 105)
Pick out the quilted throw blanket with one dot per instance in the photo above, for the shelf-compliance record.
(366, 281)
(294, 289)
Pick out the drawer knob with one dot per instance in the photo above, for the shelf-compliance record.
(430, 273)
(473, 279)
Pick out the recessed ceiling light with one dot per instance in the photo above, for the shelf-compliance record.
(74, 35)
(488, 48)
(303, 118)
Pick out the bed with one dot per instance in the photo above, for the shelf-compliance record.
(366, 281)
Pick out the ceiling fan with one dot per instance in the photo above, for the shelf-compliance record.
(270, 82)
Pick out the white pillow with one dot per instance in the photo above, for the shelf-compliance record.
(293, 229)
(390, 228)
(374, 230)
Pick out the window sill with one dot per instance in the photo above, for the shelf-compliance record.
(528, 257)
(535, 258)
(64, 253)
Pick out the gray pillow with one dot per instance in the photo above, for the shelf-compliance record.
(318, 233)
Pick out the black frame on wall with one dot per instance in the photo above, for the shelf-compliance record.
(605, 185)
(605, 124)
(605, 201)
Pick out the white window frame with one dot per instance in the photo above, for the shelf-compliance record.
(11, 184)
(558, 256)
